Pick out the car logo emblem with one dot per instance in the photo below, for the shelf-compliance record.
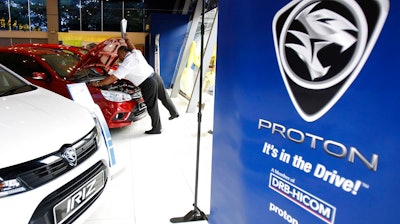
(70, 156)
(321, 47)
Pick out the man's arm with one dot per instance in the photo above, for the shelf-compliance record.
(110, 79)
(129, 43)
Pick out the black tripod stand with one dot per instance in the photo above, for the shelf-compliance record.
(196, 214)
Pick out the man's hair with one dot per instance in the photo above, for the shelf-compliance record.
(123, 49)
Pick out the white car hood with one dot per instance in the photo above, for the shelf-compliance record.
(40, 121)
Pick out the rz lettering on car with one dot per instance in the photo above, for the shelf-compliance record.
(81, 196)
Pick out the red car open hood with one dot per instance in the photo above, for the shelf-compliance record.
(103, 55)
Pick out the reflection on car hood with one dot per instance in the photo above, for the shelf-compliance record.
(103, 55)
(38, 114)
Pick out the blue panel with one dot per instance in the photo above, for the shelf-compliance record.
(172, 29)
(306, 121)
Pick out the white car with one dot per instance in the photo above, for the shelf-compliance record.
(54, 163)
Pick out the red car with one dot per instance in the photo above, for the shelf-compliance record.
(78, 51)
(54, 66)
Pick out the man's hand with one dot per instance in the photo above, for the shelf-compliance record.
(94, 84)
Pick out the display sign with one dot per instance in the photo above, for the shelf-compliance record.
(306, 116)
(80, 94)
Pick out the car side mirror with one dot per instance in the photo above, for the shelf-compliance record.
(39, 76)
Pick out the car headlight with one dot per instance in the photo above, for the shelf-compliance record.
(116, 96)
(10, 187)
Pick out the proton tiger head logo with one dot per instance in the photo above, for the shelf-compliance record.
(68, 153)
(322, 45)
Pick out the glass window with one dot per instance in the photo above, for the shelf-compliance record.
(38, 18)
(193, 64)
(4, 16)
(23, 15)
(112, 15)
(19, 15)
(91, 15)
(87, 15)
(134, 14)
(69, 15)
(18, 9)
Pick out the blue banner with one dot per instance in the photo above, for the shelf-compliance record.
(306, 115)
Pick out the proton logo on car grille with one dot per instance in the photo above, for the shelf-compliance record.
(69, 155)
(322, 45)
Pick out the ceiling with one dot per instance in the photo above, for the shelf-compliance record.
(169, 6)
(185, 7)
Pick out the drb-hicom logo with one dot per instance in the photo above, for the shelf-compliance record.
(322, 45)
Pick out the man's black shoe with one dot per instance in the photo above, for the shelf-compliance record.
(153, 132)
(173, 117)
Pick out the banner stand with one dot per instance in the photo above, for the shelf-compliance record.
(196, 214)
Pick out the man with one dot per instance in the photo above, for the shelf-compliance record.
(162, 92)
(135, 68)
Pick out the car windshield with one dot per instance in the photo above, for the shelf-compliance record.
(63, 63)
(10, 84)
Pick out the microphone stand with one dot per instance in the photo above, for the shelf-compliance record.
(196, 214)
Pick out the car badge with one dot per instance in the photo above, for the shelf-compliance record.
(70, 156)
(321, 47)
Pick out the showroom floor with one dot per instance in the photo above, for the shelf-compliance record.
(157, 178)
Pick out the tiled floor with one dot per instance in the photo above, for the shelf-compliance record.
(157, 181)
